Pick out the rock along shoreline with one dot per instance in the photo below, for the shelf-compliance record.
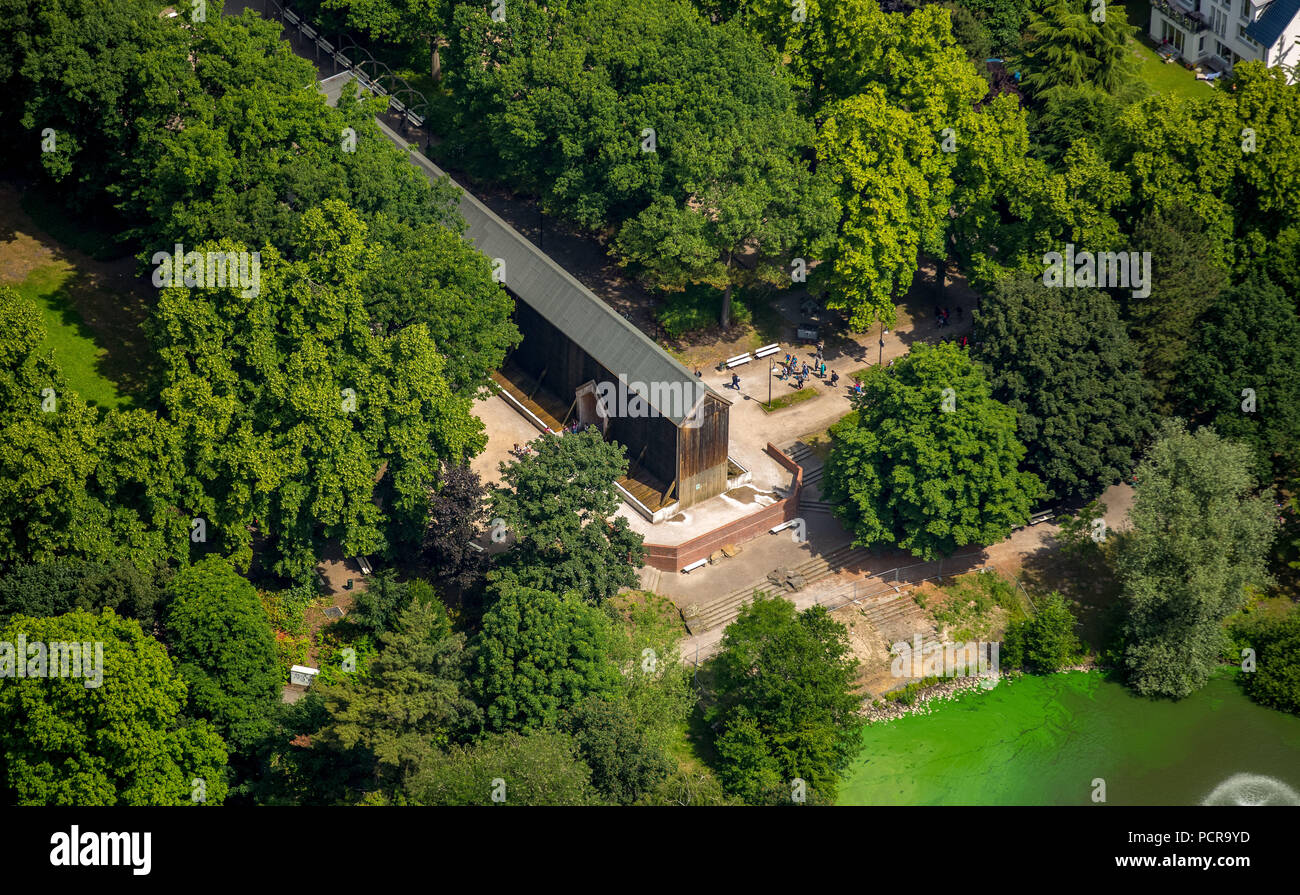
(881, 711)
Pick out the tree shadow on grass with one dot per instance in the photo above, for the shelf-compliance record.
(113, 321)
(101, 301)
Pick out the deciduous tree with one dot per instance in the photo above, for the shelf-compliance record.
(120, 742)
(930, 460)
(1063, 361)
(785, 703)
(1200, 538)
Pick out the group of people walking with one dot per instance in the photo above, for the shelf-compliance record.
(799, 371)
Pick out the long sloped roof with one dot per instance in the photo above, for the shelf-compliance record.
(1272, 22)
(557, 295)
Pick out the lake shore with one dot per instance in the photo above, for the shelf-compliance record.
(922, 703)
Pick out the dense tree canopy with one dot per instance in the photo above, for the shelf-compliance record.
(58, 587)
(785, 706)
(1242, 374)
(291, 407)
(1200, 538)
(413, 701)
(929, 460)
(201, 133)
(681, 136)
(1184, 282)
(1062, 360)
(1075, 42)
(120, 741)
(224, 648)
(538, 654)
(558, 504)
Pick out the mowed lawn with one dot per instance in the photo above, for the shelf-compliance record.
(1160, 76)
(66, 334)
(1166, 77)
(92, 303)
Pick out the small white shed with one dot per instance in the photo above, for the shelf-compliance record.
(302, 675)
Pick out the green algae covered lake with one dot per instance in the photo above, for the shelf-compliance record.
(1043, 740)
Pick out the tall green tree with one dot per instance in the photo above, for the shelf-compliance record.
(1184, 283)
(1200, 538)
(224, 648)
(115, 735)
(1063, 361)
(785, 706)
(625, 761)
(1241, 373)
(413, 701)
(628, 738)
(558, 503)
(1075, 42)
(894, 191)
(539, 654)
(930, 460)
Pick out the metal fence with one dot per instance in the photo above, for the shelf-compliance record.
(407, 104)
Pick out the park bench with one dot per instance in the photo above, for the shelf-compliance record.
(695, 565)
(738, 360)
(767, 349)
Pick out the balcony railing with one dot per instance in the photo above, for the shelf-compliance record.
(1192, 21)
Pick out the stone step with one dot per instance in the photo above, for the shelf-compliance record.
(724, 610)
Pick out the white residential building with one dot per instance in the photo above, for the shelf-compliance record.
(1217, 34)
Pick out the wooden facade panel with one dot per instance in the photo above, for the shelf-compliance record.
(702, 453)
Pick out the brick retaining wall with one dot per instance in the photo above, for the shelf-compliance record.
(673, 558)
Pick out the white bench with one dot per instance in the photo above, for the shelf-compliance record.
(767, 349)
(695, 565)
(738, 360)
(782, 527)
(363, 565)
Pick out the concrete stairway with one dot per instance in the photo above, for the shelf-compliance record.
(898, 617)
(804, 456)
(723, 611)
